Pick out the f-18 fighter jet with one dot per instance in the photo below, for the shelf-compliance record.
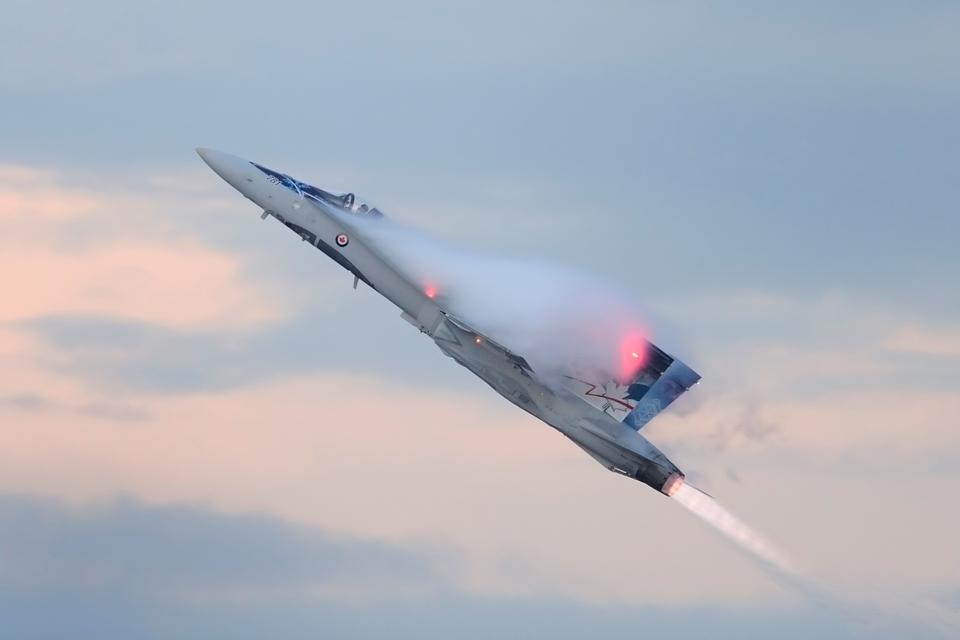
(603, 415)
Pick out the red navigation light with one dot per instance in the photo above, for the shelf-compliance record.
(633, 352)
(431, 292)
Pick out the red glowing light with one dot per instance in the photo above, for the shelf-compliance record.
(430, 292)
(633, 352)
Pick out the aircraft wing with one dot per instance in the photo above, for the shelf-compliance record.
(455, 330)
(661, 380)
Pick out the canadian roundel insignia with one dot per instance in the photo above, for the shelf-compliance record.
(343, 240)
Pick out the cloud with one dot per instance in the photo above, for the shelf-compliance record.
(278, 419)
(874, 426)
(121, 616)
(30, 194)
(80, 246)
(817, 343)
(278, 412)
(750, 426)
(185, 552)
(924, 340)
(179, 284)
(706, 200)
(26, 402)
(110, 353)
(123, 568)
(120, 354)
(30, 402)
(393, 460)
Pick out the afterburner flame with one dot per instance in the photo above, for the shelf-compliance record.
(672, 485)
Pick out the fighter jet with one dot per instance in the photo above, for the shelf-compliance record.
(603, 417)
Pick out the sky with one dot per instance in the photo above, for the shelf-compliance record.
(204, 431)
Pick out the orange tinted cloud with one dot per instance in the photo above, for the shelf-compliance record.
(910, 421)
(532, 514)
(169, 281)
(178, 284)
(930, 341)
(360, 455)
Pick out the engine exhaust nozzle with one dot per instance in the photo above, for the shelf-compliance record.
(665, 480)
(672, 485)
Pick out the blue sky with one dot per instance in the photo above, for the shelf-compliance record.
(777, 185)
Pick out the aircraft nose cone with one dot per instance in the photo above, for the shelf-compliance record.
(231, 168)
(217, 160)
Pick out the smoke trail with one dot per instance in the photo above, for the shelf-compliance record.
(711, 512)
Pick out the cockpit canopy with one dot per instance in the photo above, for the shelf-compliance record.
(347, 202)
(351, 203)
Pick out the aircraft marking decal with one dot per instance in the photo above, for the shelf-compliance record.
(593, 387)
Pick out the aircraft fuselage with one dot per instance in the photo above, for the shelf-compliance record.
(333, 224)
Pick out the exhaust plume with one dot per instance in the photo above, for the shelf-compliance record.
(711, 512)
(904, 616)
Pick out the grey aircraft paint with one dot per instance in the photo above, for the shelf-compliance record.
(602, 417)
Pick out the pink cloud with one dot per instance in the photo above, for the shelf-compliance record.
(928, 341)
(360, 454)
(531, 514)
(178, 284)
(494, 483)
(123, 271)
(903, 420)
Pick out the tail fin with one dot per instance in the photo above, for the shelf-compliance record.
(661, 380)
(669, 385)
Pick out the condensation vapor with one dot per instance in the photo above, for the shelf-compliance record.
(553, 315)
